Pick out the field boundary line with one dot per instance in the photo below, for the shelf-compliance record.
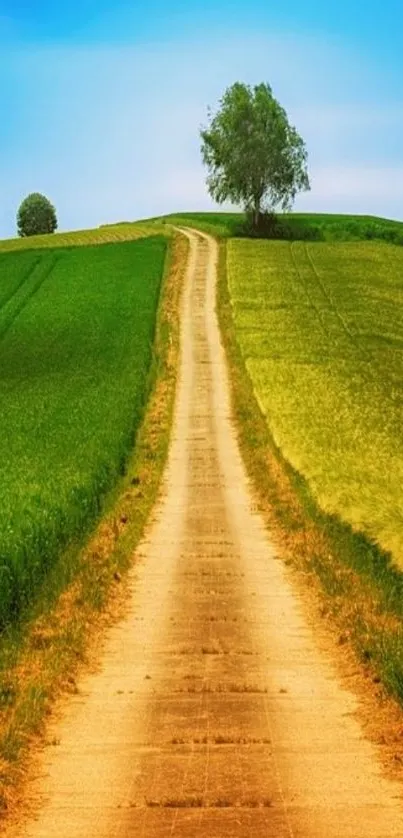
(334, 307)
(4, 328)
(303, 284)
(366, 355)
(7, 299)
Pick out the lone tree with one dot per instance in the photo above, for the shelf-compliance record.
(254, 156)
(36, 215)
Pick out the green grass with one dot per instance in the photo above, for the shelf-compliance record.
(297, 226)
(320, 327)
(76, 346)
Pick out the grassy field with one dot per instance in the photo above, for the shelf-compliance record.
(76, 336)
(321, 329)
(297, 226)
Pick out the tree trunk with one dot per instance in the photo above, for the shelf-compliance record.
(256, 214)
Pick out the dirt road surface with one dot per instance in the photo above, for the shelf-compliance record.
(214, 713)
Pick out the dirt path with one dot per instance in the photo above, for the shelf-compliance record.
(214, 713)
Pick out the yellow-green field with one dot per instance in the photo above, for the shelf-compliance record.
(77, 238)
(320, 326)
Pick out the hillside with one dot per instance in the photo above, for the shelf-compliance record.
(81, 238)
(297, 226)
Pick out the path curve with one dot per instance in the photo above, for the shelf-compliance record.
(214, 714)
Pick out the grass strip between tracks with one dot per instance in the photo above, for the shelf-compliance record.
(361, 592)
(41, 659)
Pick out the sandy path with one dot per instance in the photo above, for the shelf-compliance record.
(214, 713)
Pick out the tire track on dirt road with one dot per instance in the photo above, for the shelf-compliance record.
(214, 713)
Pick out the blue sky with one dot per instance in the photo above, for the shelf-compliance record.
(101, 104)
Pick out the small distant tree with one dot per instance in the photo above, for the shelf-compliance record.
(36, 215)
(253, 155)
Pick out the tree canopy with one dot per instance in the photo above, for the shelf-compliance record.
(36, 215)
(253, 155)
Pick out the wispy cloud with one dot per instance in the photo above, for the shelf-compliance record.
(368, 190)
